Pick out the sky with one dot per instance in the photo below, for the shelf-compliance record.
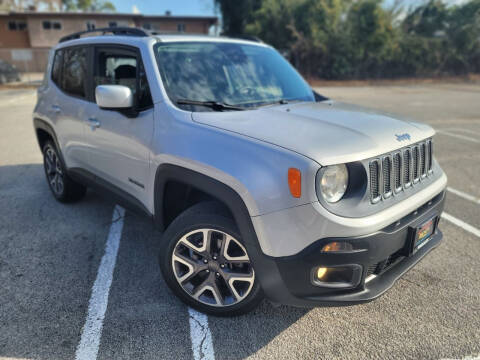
(197, 7)
(158, 7)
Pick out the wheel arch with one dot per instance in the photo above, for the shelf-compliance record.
(265, 266)
(213, 190)
(45, 132)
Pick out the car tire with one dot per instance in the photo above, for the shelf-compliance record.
(63, 188)
(205, 263)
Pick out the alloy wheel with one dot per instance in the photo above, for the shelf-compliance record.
(213, 267)
(53, 168)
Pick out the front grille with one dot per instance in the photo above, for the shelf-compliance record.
(384, 265)
(398, 171)
(415, 161)
(429, 156)
(387, 176)
(370, 270)
(407, 166)
(375, 181)
(423, 155)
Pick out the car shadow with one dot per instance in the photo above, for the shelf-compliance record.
(50, 257)
(139, 287)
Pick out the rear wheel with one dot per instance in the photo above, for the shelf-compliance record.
(62, 186)
(206, 264)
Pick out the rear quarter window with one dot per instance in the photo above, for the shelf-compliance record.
(57, 67)
(75, 71)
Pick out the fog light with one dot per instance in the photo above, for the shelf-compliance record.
(345, 276)
(337, 246)
(321, 272)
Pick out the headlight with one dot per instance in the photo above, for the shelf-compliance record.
(333, 182)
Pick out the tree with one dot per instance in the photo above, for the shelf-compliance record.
(69, 5)
(372, 37)
(236, 14)
(88, 5)
(463, 35)
(427, 20)
(339, 39)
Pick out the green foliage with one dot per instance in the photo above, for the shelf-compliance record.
(372, 37)
(236, 14)
(344, 39)
(88, 5)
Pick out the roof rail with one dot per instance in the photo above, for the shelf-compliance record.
(247, 37)
(126, 31)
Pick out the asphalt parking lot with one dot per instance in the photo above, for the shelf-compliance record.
(50, 255)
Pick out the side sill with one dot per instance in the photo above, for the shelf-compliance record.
(109, 191)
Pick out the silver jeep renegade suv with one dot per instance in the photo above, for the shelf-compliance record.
(261, 187)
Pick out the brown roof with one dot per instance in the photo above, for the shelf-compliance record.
(60, 14)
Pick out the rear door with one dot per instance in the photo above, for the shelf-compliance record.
(119, 140)
(69, 103)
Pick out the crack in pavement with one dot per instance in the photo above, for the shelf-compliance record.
(200, 336)
(203, 337)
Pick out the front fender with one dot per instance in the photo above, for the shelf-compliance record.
(256, 170)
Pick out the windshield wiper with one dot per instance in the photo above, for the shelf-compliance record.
(215, 105)
(279, 102)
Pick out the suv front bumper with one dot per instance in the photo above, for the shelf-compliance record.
(385, 258)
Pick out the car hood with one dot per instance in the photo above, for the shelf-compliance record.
(328, 132)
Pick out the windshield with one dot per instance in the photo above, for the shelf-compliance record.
(228, 73)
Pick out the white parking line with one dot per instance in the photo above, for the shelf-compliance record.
(458, 136)
(201, 336)
(464, 195)
(462, 224)
(92, 330)
(473, 357)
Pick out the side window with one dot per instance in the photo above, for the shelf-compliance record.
(74, 71)
(120, 68)
(57, 67)
(116, 69)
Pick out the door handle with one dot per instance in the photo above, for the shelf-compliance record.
(56, 109)
(93, 123)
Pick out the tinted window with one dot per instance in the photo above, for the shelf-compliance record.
(144, 96)
(237, 74)
(57, 67)
(47, 25)
(74, 71)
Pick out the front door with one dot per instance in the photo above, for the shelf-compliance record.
(118, 140)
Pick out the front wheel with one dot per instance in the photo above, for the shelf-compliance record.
(206, 264)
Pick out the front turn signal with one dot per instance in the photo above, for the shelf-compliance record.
(295, 182)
